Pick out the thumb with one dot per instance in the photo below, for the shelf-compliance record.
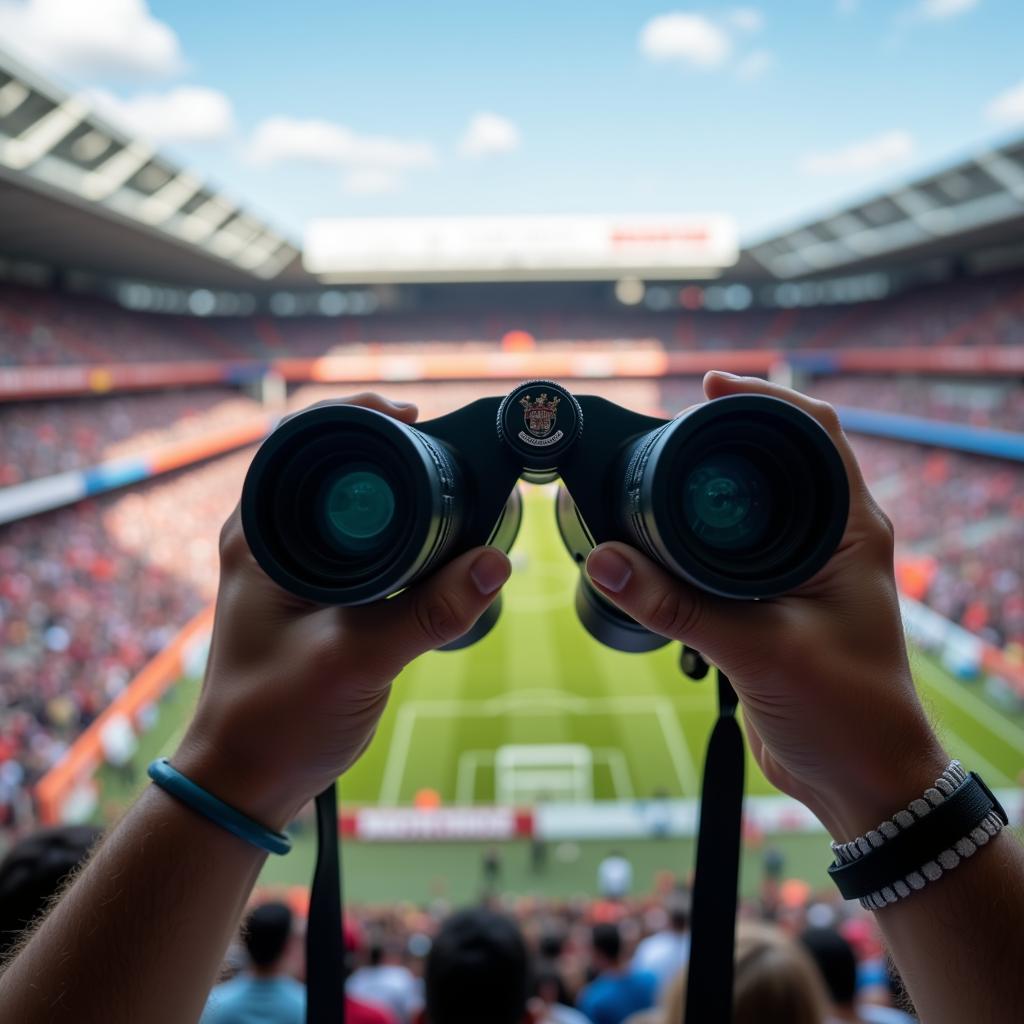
(666, 605)
(440, 609)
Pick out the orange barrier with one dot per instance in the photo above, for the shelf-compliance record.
(85, 755)
(194, 449)
(643, 357)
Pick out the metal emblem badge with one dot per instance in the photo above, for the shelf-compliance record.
(540, 415)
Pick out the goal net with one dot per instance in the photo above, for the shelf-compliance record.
(536, 773)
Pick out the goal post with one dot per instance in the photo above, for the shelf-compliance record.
(535, 773)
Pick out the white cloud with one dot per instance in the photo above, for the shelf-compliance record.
(95, 38)
(755, 64)
(1008, 107)
(371, 181)
(280, 139)
(746, 19)
(875, 154)
(690, 38)
(372, 164)
(938, 10)
(706, 43)
(487, 134)
(189, 113)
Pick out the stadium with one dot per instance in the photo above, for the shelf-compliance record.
(153, 331)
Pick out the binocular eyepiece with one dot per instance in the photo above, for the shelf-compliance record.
(743, 496)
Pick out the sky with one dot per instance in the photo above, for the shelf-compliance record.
(772, 112)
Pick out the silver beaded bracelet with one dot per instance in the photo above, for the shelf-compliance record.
(945, 784)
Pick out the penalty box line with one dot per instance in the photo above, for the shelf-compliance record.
(539, 702)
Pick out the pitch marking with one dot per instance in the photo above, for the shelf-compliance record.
(536, 702)
(974, 705)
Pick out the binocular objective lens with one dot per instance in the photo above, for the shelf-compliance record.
(726, 501)
(358, 506)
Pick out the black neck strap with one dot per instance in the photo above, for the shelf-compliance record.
(713, 915)
(325, 938)
(715, 882)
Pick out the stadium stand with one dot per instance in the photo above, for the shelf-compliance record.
(995, 403)
(87, 595)
(42, 438)
(42, 328)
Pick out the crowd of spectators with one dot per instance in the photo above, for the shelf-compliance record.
(88, 594)
(47, 328)
(960, 520)
(39, 327)
(990, 402)
(39, 439)
(802, 956)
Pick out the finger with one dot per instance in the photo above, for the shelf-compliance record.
(440, 609)
(718, 384)
(404, 411)
(669, 607)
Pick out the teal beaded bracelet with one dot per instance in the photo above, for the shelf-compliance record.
(169, 779)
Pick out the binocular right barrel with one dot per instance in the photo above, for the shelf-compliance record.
(746, 496)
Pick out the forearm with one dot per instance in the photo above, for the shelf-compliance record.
(141, 933)
(959, 942)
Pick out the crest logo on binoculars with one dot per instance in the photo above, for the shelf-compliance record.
(539, 415)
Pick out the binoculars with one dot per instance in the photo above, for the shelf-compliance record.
(744, 496)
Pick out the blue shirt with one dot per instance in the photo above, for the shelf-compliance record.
(611, 998)
(251, 1000)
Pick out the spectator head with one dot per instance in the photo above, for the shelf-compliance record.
(549, 985)
(477, 970)
(775, 980)
(34, 871)
(268, 930)
(606, 940)
(836, 960)
(678, 909)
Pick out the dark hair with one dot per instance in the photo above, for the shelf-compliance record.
(607, 940)
(551, 943)
(34, 871)
(477, 970)
(267, 929)
(548, 982)
(836, 961)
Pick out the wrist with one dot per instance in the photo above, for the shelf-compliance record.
(876, 789)
(257, 794)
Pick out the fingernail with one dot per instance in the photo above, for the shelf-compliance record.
(726, 374)
(489, 571)
(609, 569)
(401, 405)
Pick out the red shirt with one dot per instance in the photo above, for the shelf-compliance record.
(363, 1013)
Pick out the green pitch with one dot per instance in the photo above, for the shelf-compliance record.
(539, 678)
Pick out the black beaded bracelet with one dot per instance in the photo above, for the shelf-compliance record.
(917, 845)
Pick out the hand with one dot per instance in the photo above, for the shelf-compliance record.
(293, 690)
(828, 701)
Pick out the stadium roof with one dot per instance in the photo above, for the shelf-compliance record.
(79, 193)
(970, 205)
